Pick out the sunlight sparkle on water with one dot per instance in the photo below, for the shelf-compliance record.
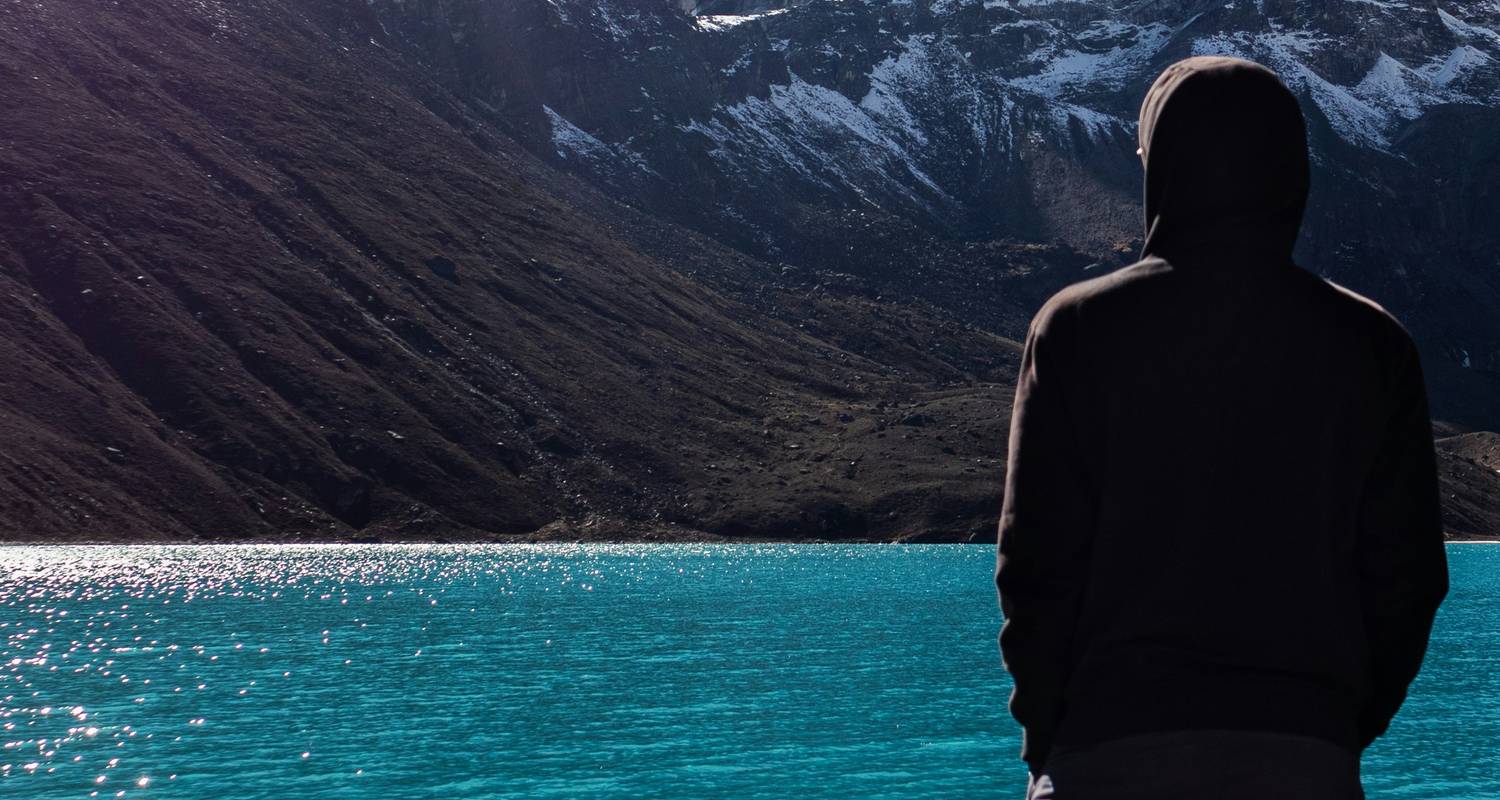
(609, 671)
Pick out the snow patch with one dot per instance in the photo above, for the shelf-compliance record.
(1066, 71)
(1467, 30)
(1386, 4)
(574, 143)
(570, 140)
(950, 6)
(1097, 125)
(1365, 113)
(904, 72)
(1463, 59)
(819, 134)
(723, 22)
(1392, 86)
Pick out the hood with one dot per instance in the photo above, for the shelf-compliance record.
(1225, 150)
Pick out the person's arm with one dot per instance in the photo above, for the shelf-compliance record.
(1046, 522)
(1403, 568)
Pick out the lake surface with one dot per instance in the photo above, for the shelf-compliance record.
(595, 671)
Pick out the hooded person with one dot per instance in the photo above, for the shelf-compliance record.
(1220, 549)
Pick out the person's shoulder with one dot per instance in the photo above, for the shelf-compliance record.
(1360, 314)
(1099, 291)
(1113, 283)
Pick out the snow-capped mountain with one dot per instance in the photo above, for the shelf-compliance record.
(792, 130)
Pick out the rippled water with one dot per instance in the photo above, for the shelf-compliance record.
(607, 671)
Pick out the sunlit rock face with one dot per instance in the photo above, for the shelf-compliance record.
(768, 124)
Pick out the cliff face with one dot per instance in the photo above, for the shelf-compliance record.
(334, 270)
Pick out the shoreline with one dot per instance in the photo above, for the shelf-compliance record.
(526, 541)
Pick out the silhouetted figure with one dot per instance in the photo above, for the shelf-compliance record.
(1220, 549)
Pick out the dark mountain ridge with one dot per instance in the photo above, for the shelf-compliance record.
(280, 270)
(777, 128)
(266, 280)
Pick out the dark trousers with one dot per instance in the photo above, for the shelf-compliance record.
(1201, 765)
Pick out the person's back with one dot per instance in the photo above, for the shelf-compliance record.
(1221, 511)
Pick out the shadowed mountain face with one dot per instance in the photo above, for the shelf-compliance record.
(553, 269)
(790, 130)
(263, 277)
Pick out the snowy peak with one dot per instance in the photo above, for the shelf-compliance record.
(1368, 65)
(910, 102)
(769, 125)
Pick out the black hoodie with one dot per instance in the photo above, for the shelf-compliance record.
(1221, 507)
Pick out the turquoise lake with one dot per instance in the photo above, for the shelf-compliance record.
(589, 671)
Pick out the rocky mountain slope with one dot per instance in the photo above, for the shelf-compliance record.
(797, 132)
(340, 269)
(263, 278)
(1469, 466)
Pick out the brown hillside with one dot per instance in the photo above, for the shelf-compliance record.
(263, 280)
(1469, 466)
